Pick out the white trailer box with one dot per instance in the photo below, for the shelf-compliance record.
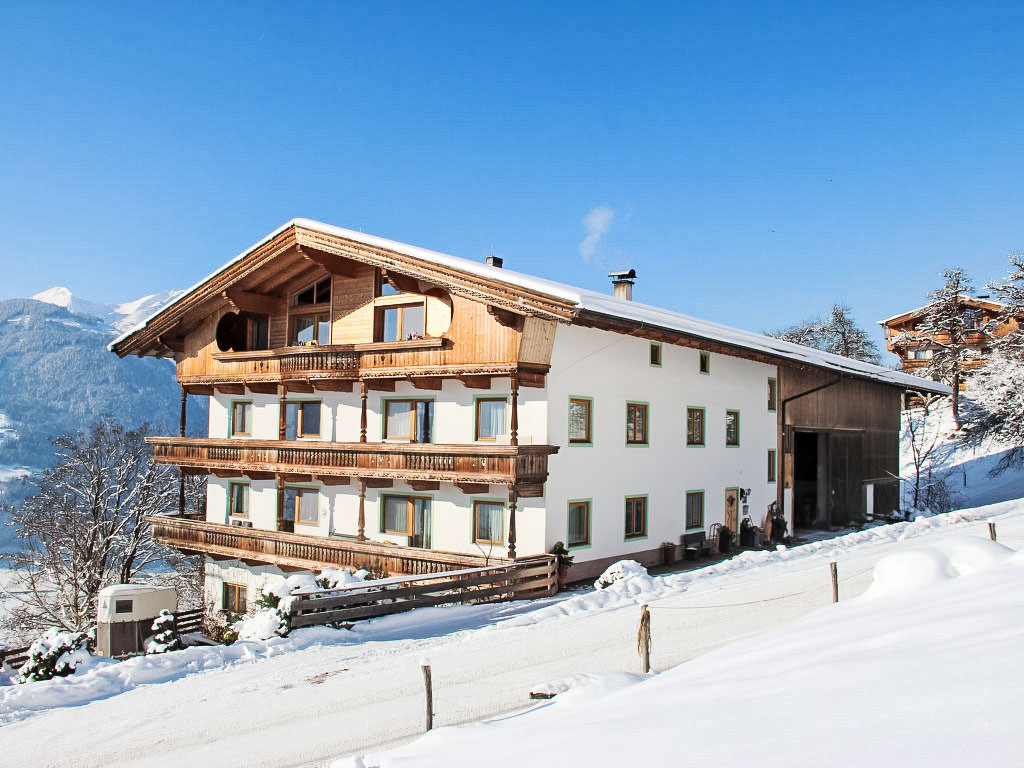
(125, 614)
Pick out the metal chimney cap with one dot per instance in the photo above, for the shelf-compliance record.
(495, 261)
(624, 274)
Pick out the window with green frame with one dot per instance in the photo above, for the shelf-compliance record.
(301, 419)
(488, 522)
(732, 427)
(491, 417)
(656, 354)
(704, 364)
(580, 421)
(695, 426)
(238, 499)
(578, 534)
(772, 464)
(694, 509)
(241, 417)
(636, 517)
(773, 395)
(233, 598)
(636, 423)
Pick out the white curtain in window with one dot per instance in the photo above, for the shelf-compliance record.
(396, 513)
(398, 420)
(492, 418)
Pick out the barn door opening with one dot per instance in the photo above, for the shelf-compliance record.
(810, 480)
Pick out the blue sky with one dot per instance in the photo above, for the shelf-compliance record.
(754, 162)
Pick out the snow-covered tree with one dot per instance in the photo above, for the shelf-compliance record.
(837, 334)
(997, 390)
(944, 327)
(166, 637)
(84, 529)
(924, 489)
(54, 654)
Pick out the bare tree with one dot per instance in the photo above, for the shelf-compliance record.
(837, 334)
(85, 527)
(922, 436)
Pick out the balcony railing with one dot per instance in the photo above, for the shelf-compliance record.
(523, 467)
(308, 552)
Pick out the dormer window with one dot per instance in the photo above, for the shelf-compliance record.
(400, 314)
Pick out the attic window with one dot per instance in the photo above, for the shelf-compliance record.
(315, 294)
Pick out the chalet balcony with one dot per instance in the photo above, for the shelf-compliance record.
(294, 550)
(522, 467)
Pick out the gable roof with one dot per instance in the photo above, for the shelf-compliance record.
(970, 301)
(506, 288)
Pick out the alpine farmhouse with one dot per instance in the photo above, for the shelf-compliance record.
(381, 405)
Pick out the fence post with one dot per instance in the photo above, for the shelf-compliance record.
(834, 568)
(992, 531)
(428, 685)
(643, 639)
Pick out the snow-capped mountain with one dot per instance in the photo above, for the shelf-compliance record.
(120, 317)
(57, 376)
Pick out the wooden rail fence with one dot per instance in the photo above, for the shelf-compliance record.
(14, 656)
(524, 579)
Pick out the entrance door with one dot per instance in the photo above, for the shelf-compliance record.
(732, 504)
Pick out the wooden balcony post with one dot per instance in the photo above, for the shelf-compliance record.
(279, 482)
(514, 437)
(512, 496)
(282, 417)
(362, 412)
(361, 523)
(182, 417)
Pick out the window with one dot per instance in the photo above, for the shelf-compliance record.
(407, 516)
(695, 426)
(402, 322)
(410, 420)
(705, 362)
(636, 516)
(579, 524)
(580, 420)
(123, 606)
(241, 418)
(301, 419)
(234, 598)
(773, 395)
(656, 354)
(732, 427)
(972, 319)
(302, 505)
(694, 509)
(487, 522)
(490, 417)
(307, 330)
(920, 354)
(771, 465)
(306, 325)
(315, 294)
(238, 499)
(259, 332)
(636, 423)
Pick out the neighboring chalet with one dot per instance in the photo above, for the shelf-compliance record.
(377, 404)
(981, 321)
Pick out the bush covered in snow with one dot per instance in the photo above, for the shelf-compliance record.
(624, 570)
(166, 637)
(55, 654)
(273, 617)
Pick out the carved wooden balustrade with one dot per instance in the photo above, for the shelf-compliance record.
(296, 550)
(523, 467)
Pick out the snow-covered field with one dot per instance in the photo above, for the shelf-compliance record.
(840, 686)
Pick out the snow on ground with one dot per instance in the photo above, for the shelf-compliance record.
(922, 671)
(323, 694)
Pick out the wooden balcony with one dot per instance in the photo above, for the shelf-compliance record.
(294, 550)
(522, 467)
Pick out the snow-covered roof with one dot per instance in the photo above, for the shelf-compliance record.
(591, 302)
(977, 301)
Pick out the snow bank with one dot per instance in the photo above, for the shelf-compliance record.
(943, 560)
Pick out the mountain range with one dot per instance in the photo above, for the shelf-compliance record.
(57, 376)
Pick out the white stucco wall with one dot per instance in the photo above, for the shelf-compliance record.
(612, 369)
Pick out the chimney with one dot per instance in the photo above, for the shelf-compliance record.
(494, 261)
(622, 283)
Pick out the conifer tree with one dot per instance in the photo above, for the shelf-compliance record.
(838, 334)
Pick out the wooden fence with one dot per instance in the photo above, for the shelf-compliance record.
(522, 580)
(13, 656)
(189, 621)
